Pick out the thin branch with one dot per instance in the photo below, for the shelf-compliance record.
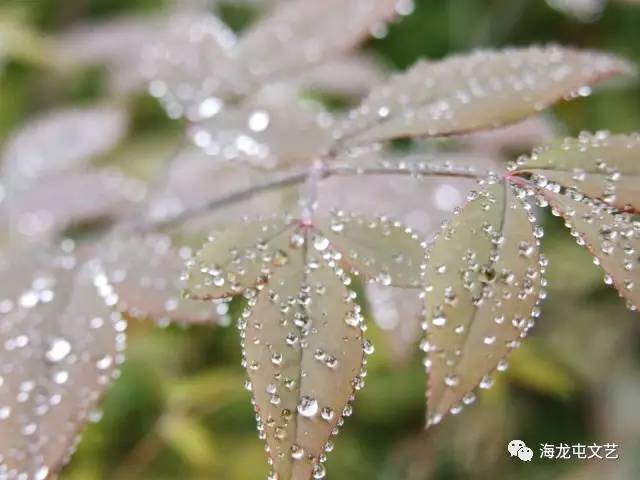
(414, 169)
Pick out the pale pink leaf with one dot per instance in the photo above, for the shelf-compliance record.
(273, 130)
(57, 201)
(300, 33)
(600, 165)
(61, 140)
(189, 67)
(353, 76)
(145, 273)
(483, 89)
(482, 283)
(60, 347)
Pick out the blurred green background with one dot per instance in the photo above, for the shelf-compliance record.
(179, 410)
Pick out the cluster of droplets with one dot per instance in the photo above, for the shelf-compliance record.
(146, 273)
(454, 95)
(61, 345)
(190, 70)
(482, 303)
(612, 236)
(276, 130)
(600, 165)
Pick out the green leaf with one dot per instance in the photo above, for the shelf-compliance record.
(483, 89)
(483, 282)
(600, 165)
(303, 350)
(378, 249)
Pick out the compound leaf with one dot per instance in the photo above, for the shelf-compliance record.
(304, 32)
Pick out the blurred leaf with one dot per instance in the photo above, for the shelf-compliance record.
(275, 129)
(379, 250)
(61, 347)
(62, 140)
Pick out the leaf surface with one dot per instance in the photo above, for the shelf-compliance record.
(483, 89)
(303, 349)
(483, 281)
(51, 203)
(304, 32)
(146, 273)
(189, 65)
(612, 237)
(62, 140)
(378, 249)
(237, 258)
(274, 130)
(60, 347)
(600, 165)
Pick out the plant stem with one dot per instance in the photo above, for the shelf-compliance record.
(417, 170)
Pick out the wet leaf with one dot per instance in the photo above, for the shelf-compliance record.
(353, 75)
(189, 181)
(60, 347)
(484, 89)
(482, 283)
(378, 249)
(116, 43)
(50, 204)
(274, 130)
(189, 65)
(612, 237)
(145, 273)
(303, 350)
(61, 140)
(600, 165)
(305, 32)
(238, 257)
